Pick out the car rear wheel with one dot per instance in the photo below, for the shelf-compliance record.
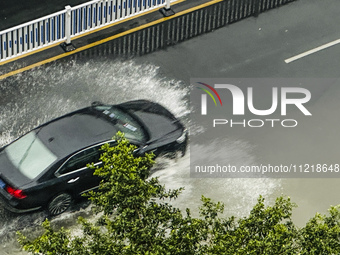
(59, 204)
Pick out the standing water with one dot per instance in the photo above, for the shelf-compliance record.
(34, 97)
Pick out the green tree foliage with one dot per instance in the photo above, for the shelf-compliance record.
(321, 235)
(137, 218)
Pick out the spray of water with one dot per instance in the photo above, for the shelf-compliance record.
(34, 97)
(238, 194)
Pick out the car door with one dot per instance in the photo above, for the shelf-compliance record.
(74, 175)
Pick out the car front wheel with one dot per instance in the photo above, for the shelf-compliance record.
(59, 204)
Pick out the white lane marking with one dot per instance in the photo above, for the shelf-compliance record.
(304, 54)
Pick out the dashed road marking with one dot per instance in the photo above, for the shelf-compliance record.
(312, 51)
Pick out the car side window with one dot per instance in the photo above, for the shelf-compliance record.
(80, 160)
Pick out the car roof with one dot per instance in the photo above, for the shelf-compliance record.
(75, 131)
(89, 126)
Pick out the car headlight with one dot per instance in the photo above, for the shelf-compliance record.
(183, 136)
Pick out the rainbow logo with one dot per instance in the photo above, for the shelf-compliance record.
(209, 93)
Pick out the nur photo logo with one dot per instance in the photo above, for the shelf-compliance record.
(244, 100)
(264, 127)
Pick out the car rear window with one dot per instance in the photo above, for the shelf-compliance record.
(30, 155)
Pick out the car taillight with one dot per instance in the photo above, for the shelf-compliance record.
(17, 193)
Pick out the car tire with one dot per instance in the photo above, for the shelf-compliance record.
(59, 204)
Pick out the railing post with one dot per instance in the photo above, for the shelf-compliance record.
(167, 4)
(68, 24)
(166, 11)
(67, 46)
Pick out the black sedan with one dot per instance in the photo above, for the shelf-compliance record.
(46, 168)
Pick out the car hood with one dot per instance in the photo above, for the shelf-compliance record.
(159, 127)
(161, 124)
(10, 174)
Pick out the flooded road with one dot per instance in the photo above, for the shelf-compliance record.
(45, 93)
(37, 96)
(249, 49)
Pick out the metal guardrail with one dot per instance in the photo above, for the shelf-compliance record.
(63, 25)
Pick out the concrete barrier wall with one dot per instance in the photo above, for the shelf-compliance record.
(183, 27)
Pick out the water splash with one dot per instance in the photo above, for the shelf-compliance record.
(39, 95)
(34, 97)
(238, 194)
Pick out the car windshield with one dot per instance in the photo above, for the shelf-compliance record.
(30, 155)
(123, 121)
